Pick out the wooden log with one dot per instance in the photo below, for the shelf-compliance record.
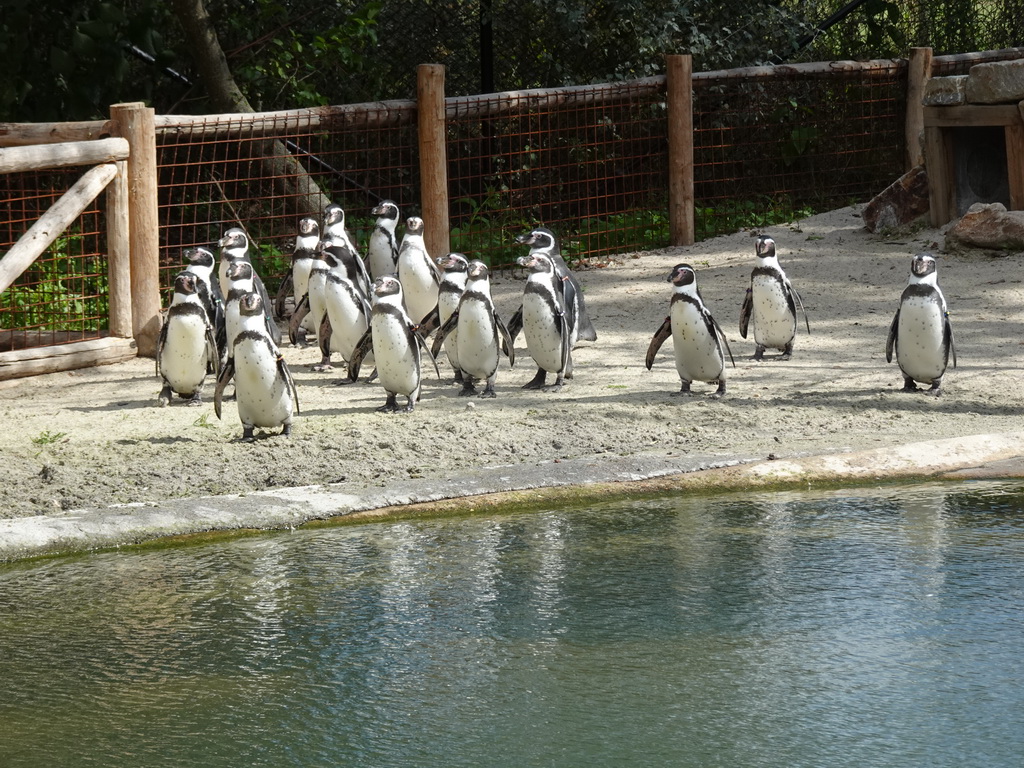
(1015, 165)
(433, 151)
(65, 357)
(918, 73)
(869, 68)
(679, 74)
(25, 134)
(938, 155)
(972, 115)
(50, 225)
(63, 155)
(119, 268)
(135, 121)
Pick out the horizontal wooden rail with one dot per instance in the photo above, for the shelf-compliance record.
(24, 134)
(62, 155)
(65, 357)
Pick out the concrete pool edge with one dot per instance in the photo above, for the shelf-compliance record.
(997, 455)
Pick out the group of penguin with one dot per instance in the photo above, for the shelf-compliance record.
(381, 309)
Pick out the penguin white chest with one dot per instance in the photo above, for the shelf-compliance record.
(398, 363)
(698, 354)
(477, 340)
(183, 357)
(774, 322)
(348, 323)
(920, 345)
(261, 392)
(317, 288)
(543, 337)
(418, 284)
(447, 303)
(380, 259)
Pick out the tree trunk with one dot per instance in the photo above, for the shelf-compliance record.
(294, 181)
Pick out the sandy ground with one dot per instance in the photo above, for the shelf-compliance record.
(96, 437)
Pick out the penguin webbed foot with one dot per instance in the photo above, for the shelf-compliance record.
(720, 392)
(759, 353)
(390, 405)
(936, 388)
(557, 386)
(909, 385)
(458, 376)
(247, 435)
(286, 430)
(787, 352)
(195, 400)
(489, 391)
(684, 390)
(468, 388)
(324, 366)
(537, 382)
(164, 398)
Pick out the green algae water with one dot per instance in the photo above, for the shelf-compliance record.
(862, 628)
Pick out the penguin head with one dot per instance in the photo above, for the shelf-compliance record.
(477, 270)
(453, 262)
(333, 214)
(387, 285)
(540, 239)
(199, 257)
(234, 239)
(922, 265)
(251, 304)
(386, 210)
(239, 270)
(682, 274)
(308, 227)
(185, 283)
(414, 226)
(536, 262)
(764, 247)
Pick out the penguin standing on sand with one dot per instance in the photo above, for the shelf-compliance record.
(314, 308)
(543, 240)
(547, 324)
(697, 338)
(382, 251)
(201, 263)
(241, 279)
(264, 390)
(417, 272)
(397, 346)
(335, 234)
(770, 304)
(347, 314)
(297, 283)
(482, 335)
(920, 334)
(186, 347)
(454, 274)
(234, 247)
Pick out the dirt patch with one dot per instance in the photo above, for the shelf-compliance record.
(96, 437)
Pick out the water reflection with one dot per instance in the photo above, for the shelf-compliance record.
(869, 628)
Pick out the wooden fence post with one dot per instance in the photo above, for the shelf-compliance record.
(135, 122)
(433, 151)
(919, 70)
(679, 85)
(119, 254)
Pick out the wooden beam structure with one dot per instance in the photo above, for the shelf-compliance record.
(433, 151)
(682, 223)
(65, 357)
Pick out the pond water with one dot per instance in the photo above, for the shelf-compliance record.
(868, 627)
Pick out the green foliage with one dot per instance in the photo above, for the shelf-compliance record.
(65, 292)
(46, 437)
(734, 215)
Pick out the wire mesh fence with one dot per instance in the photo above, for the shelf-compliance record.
(63, 296)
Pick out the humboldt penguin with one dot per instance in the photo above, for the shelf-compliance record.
(697, 338)
(335, 234)
(417, 272)
(454, 273)
(546, 323)
(770, 304)
(481, 334)
(241, 279)
(347, 313)
(396, 345)
(920, 334)
(234, 248)
(186, 348)
(382, 251)
(543, 240)
(297, 282)
(201, 263)
(264, 389)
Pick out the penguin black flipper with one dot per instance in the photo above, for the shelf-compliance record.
(226, 374)
(890, 342)
(212, 350)
(423, 345)
(508, 347)
(569, 301)
(947, 340)
(361, 350)
(160, 341)
(515, 325)
(287, 285)
(323, 335)
(286, 374)
(443, 331)
(791, 294)
(298, 315)
(663, 332)
(429, 323)
(713, 324)
(746, 311)
(272, 329)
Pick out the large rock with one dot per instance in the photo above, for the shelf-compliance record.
(898, 204)
(989, 226)
(945, 91)
(996, 82)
